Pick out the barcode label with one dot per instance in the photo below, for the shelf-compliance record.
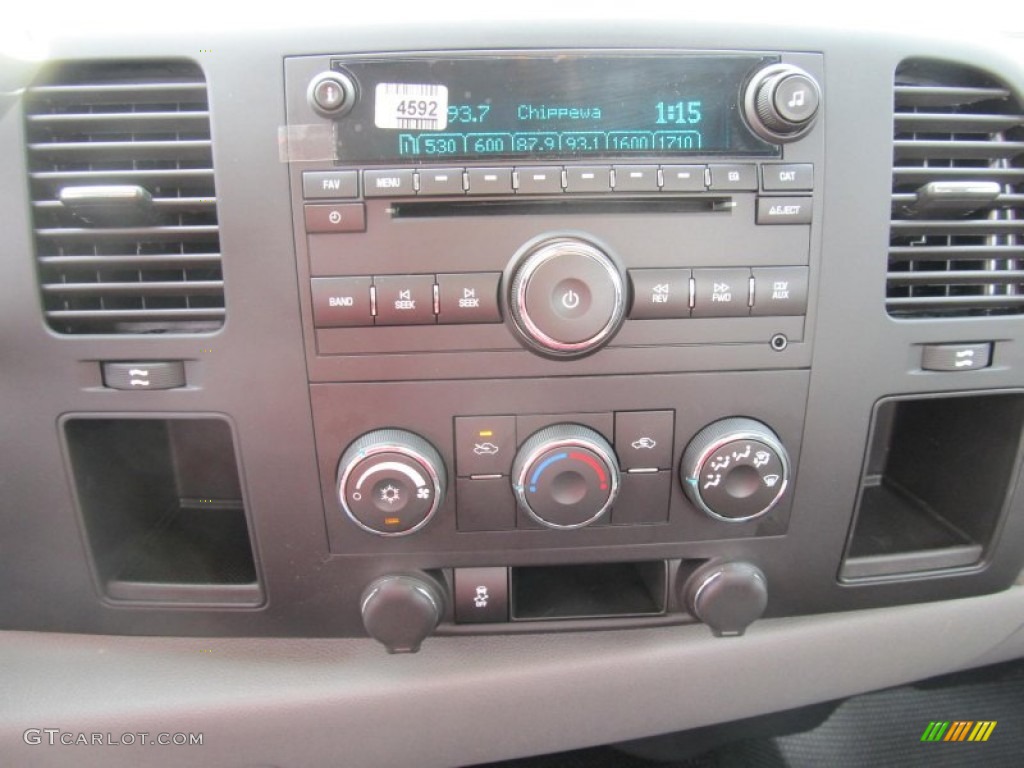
(408, 106)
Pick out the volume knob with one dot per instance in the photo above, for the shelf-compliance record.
(781, 102)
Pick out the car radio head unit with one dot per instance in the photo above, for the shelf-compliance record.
(535, 106)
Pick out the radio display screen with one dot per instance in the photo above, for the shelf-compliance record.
(529, 106)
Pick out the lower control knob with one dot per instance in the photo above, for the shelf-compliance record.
(565, 476)
(735, 470)
(402, 610)
(728, 597)
(391, 482)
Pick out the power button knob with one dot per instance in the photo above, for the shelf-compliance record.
(567, 298)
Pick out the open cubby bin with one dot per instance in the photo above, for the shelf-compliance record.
(937, 478)
(162, 506)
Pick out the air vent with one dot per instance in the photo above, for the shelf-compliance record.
(124, 207)
(957, 237)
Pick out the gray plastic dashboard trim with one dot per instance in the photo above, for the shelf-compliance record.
(295, 703)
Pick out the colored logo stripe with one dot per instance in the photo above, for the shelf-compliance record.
(982, 730)
(958, 730)
(935, 731)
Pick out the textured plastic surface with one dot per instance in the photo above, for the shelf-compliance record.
(343, 696)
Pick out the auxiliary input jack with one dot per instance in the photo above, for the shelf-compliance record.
(779, 342)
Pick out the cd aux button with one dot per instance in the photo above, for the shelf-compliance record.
(780, 291)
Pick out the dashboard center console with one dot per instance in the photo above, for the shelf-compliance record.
(555, 301)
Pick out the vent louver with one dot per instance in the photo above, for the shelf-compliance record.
(956, 244)
(124, 207)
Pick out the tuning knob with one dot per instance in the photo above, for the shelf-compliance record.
(735, 469)
(391, 482)
(781, 102)
(565, 476)
(567, 298)
(728, 597)
(402, 610)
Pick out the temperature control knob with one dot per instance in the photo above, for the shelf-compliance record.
(391, 482)
(565, 476)
(781, 102)
(735, 469)
(567, 297)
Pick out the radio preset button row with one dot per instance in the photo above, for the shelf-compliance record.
(460, 298)
(734, 292)
(558, 179)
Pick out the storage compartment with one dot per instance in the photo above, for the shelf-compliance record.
(163, 511)
(588, 591)
(937, 476)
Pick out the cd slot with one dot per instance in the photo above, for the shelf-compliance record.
(559, 207)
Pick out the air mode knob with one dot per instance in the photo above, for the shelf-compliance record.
(567, 297)
(391, 482)
(565, 476)
(735, 470)
(781, 102)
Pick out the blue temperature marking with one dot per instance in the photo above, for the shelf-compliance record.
(543, 465)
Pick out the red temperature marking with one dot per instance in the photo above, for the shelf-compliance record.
(596, 466)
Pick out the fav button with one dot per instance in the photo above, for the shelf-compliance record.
(330, 184)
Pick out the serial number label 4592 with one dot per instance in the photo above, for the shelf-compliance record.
(408, 106)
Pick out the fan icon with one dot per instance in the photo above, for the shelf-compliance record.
(390, 494)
